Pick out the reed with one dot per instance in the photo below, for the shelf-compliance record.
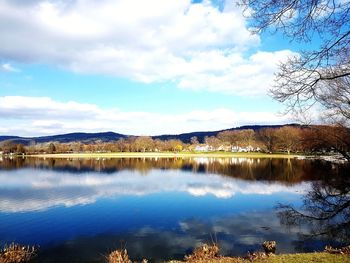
(15, 253)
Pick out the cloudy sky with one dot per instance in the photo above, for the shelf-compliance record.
(134, 67)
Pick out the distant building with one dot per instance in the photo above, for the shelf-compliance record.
(249, 148)
(203, 148)
(238, 149)
(224, 148)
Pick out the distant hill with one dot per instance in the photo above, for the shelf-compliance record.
(4, 138)
(112, 136)
(65, 138)
(82, 137)
(186, 137)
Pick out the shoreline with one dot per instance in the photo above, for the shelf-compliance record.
(210, 253)
(166, 155)
(319, 257)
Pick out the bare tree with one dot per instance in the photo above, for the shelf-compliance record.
(335, 97)
(228, 137)
(318, 75)
(51, 148)
(288, 138)
(7, 146)
(194, 140)
(268, 137)
(246, 137)
(144, 143)
(213, 142)
(20, 149)
(176, 145)
(327, 138)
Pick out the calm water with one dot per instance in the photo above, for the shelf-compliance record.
(79, 210)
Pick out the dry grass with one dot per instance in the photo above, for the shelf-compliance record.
(321, 257)
(15, 253)
(269, 247)
(342, 251)
(120, 256)
(204, 252)
(210, 254)
(306, 258)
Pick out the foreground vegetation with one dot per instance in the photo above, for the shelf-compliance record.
(15, 253)
(210, 254)
(321, 257)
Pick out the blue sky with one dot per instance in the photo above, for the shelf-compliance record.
(135, 67)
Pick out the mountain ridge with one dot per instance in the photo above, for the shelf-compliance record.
(113, 136)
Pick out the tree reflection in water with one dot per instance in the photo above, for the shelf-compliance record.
(325, 209)
(286, 171)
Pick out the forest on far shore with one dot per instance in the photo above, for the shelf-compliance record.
(313, 139)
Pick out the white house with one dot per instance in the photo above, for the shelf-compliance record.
(249, 148)
(203, 148)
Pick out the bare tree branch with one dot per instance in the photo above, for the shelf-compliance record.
(315, 78)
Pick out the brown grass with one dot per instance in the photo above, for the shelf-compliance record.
(343, 250)
(15, 253)
(269, 247)
(210, 254)
(204, 252)
(207, 253)
(120, 256)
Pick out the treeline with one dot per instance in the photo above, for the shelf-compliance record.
(285, 139)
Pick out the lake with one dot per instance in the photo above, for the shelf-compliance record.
(78, 210)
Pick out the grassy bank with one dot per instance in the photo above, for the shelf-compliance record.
(210, 253)
(204, 254)
(166, 155)
(320, 257)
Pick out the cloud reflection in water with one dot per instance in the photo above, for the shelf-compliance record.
(31, 190)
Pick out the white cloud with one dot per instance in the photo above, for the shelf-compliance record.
(196, 45)
(231, 73)
(8, 68)
(32, 116)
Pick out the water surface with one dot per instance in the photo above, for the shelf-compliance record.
(160, 209)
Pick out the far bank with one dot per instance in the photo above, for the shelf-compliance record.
(168, 155)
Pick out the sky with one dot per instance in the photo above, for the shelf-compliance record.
(134, 67)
